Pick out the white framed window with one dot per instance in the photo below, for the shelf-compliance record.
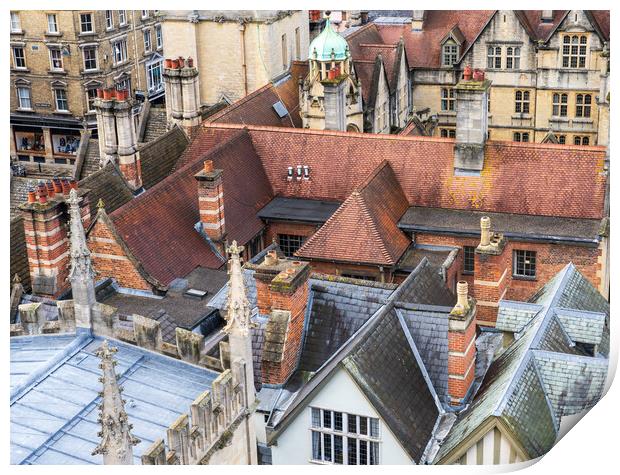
(124, 85)
(60, 96)
(449, 53)
(574, 50)
(90, 58)
(522, 102)
(119, 51)
(158, 36)
(344, 439)
(109, 19)
(23, 97)
(153, 76)
(513, 57)
(86, 23)
(91, 95)
(560, 104)
(122, 17)
(524, 264)
(145, 14)
(52, 23)
(16, 26)
(19, 57)
(494, 57)
(56, 59)
(447, 99)
(146, 33)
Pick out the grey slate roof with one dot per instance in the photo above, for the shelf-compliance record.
(298, 209)
(541, 376)
(426, 287)
(582, 326)
(108, 185)
(158, 157)
(336, 311)
(436, 256)
(388, 368)
(516, 226)
(54, 396)
(513, 316)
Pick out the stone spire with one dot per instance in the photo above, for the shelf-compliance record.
(237, 312)
(237, 306)
(82, 273)
(117, 443)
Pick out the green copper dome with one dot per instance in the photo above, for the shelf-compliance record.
(327, 42)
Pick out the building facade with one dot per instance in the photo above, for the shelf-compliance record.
(239, 51)
(59, 59)
(547, 66)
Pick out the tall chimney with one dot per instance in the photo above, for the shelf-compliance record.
(106, 126)
(181, 85)
(417, 20)
(211, 204)
(128, 154)
(47, 240)
(471, 123)
(283, 332)
(461, 346)
(491, 272)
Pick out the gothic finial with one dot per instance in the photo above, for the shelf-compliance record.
(100, 204)
(117, 443)
(237, 306)
(16, 279)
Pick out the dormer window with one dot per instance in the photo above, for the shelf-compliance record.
(450, 53)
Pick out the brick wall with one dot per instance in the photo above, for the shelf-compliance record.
(296, 229)
(550, 259)
(109, 259)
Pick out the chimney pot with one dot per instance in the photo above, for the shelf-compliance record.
(181, 62)
(479, 75)
(66, 187)
(467, 73)
(32, 196)
(175, 64)
(73, 184)
(50, 189)
(208, 166)
(57, 185)
(271, 259)
(485, 231)
(168, 63)
(190, 62)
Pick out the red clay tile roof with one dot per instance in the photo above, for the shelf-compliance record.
(424, 47)
(364, 229)
(602, 19)
(532, 22)
(367, 34)
(158, 226)
(257, 108)
(522, 178)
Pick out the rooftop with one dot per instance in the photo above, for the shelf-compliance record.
(298, 209)
(55, 393)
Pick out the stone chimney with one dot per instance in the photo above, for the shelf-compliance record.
(417, 20)
(46, 223)
(491, 272)
(211, 204)
(461, 346)
(182, 91)
(117, 134)
(282, 293)
(472, 94)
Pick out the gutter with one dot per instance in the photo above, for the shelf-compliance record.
(549, 238)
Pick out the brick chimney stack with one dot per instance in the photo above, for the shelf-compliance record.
(46, 227)
(211, 204)
(472, 95)
(417, 20)
(491, 272)
(182, 90)
(282, 293)
(461, 345)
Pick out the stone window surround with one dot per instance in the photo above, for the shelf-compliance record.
(16, 24)
(60, 86)
(21, 83)
(449, 53)
(91, 86)
(91, 22)
(159, 37)
(578, 54)
(56, 30)
(84, 47)
(113, 43)
(524, 264)
(55, 47)
(522, 101)
(122, 17)
(109, 20)
(21, 46)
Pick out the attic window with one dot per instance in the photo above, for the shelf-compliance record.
(280, 109)
(196, 293)
(450, 53)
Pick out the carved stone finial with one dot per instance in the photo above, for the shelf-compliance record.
(237, 306)
(16, 279)
(81, 266)
(117, 443)
(100, 204)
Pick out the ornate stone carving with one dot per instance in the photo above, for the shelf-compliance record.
(237, 306)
